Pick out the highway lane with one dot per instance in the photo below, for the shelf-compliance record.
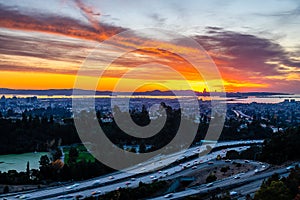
(172, 173)
(249, 181)
(252, 187)
(151, 165)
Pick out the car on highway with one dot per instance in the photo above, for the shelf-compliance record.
(237, 177)
(168, 195)
(132, 179)
(111, 177)
(290, 167)
(152, 176)
(194, 167)
(96, 192)
(65, 197)
(25, 196)
(247, 161)
(154, 179)
(210, 163)
(72, 186)
(209, 184)
(79, 196)
(233, 193)
(96, 182)
(127, 183)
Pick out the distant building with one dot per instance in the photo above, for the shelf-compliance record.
(2, 102)
(14, 99)
(286, 101)
(205, 93)
(31, 99)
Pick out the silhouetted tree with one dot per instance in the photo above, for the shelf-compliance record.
(28, 170)
(211, 178)
(56, 154)
(73, 155)
(5, 189)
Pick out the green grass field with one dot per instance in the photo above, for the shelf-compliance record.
(84, 155)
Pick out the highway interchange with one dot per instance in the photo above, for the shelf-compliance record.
(158, 168)
(248, 183)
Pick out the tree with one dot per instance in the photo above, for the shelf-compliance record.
(5, 189)
(44, 161)
(276, 189)
(24, 118)
(56, 154)
(248, 197)
(232, 154)
(142, 148)
(28, 170)
(224, 169)
(73, 155)
(51, 120)
(211, 178)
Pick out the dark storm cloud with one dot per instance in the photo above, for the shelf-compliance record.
(42, 48)
(246, 52)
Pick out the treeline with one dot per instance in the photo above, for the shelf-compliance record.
(282, 146)
(279, 148)
(34, 132)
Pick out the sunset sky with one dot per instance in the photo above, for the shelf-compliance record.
(254, 44)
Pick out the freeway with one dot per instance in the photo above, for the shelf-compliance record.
(252, 187)
(165, 174)
(144, 172)
(247, 183)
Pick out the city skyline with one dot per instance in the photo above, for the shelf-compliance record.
(255, 45)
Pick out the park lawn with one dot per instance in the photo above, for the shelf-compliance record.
(84, 155)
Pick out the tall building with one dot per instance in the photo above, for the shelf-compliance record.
(2, 102)
(205, 93)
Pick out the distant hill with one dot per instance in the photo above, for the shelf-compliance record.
(69, 92)
(51, 92)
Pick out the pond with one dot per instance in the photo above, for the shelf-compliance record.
(19, 161)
